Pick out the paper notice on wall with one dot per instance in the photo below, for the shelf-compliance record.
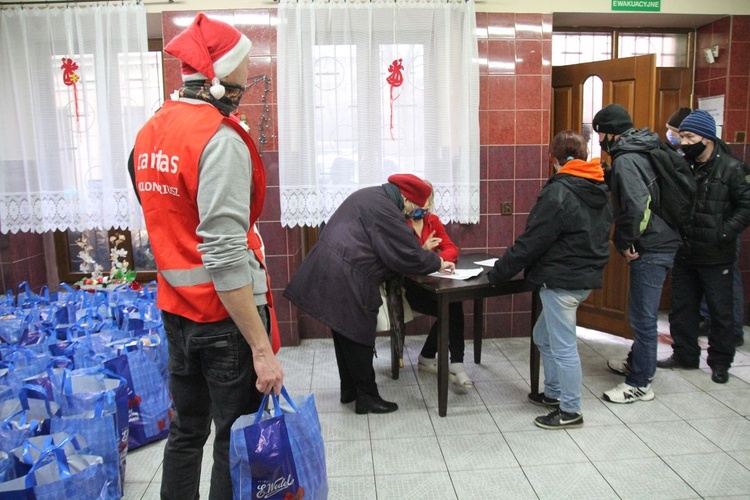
(714, 106)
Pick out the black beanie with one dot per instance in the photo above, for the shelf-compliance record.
(676, 119)
(612, 119)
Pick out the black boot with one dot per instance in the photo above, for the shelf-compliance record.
(373, 404)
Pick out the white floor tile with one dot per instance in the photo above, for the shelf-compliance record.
(572, 480)
(696, 405)
(544, 447)
(424, 486)
(477, 452)
(405, 456)
(642, 411)
(348, 458)
(464, 420)
(711, 475)
(673, 438)
(401, 424)
(344, 427)
(610, 443)
(641, 478)
(495, 484)
(736, 399)
(729, 434)
(347, 488)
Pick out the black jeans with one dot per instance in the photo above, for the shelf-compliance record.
(421, 302)
(212, 377)
(355, 366)
(689, 284)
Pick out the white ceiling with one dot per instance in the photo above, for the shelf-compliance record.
(569, 20)
(632, 20)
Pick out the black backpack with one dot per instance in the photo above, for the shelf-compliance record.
(676, 183)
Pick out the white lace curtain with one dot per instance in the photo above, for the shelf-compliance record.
(78, 84)
(367, 89)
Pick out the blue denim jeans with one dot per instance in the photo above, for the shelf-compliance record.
(212, 378)
(555, 336)
(647, 275)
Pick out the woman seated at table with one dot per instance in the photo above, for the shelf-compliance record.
(563, 250)
(431, 232)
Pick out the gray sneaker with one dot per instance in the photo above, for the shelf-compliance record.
(559, 419)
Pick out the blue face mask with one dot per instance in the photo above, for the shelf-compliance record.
(673, 138)
(418, 214)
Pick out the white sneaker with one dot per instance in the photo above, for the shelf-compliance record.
(625, 393)
(427, 364)
(457, 373)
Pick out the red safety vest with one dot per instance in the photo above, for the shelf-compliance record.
(166, 173)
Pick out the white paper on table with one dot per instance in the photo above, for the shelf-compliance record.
(488, 262)
(459, 274)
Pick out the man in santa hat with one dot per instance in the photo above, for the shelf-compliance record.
(201, 183)
(366, 242)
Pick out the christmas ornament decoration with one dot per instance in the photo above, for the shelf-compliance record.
(70, 78)
(395, 79)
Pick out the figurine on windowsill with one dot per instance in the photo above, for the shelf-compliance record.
(118, 271)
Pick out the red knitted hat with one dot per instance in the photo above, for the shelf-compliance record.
(209, 50)
(412, 187)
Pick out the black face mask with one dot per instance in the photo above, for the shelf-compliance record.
(607, 144)
(693, 151)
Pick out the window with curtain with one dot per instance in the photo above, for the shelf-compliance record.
(80, 82)
(370, 89)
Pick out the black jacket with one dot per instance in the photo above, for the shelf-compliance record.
(565, 243)
(366, 242)
(722, 209)
(631, 176)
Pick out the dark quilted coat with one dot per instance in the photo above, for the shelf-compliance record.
(366, 241)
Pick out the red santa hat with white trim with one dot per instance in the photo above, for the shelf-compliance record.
(209, 50)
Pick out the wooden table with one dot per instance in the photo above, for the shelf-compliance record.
(444, 291)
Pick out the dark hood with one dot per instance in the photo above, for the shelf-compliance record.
(635, 140)
(593, 194)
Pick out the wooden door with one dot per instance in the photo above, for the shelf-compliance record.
(630, 82)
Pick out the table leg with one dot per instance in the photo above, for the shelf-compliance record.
(395, 365)
(478, 329)
(442, 315)
(536, 310)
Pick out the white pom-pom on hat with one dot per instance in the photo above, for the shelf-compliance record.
(217, 89)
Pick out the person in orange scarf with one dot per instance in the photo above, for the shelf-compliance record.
(563, 250)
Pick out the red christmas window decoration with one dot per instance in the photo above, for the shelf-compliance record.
(395, 79)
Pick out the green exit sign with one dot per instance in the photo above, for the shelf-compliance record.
(637, 5)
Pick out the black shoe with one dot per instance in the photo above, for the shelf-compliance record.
(672, 362)
(739, 341)
(540, 399)
(559, 419)
(348, 396)
(373, 404)
(720, 375)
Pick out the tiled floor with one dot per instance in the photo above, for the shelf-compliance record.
(692, 441)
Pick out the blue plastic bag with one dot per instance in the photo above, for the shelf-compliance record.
(271, 456)
(56, 476)
(149, 403)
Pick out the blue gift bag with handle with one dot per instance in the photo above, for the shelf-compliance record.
(279, 455)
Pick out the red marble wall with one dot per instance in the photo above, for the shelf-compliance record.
(22, 259)
(729, 75)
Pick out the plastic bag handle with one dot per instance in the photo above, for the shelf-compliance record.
(60, 459)
(24, 397)
(276, 406)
